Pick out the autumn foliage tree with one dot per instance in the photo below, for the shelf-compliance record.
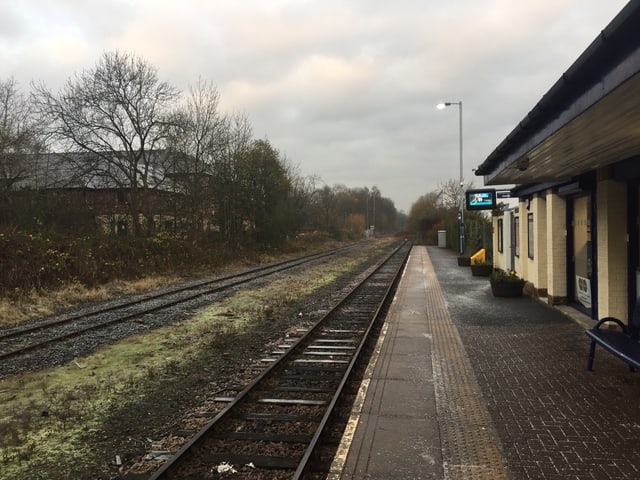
(438, 210)
(426, 215)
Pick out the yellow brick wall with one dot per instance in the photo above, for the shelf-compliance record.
(500, 258)
(541, 239)
(521, 264)
(611, 218)
(537, 267)
(529, 265)
(556, 245)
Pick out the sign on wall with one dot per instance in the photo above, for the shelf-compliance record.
(583, 291)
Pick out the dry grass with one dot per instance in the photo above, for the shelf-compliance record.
(38, 304)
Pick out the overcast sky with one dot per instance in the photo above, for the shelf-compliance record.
(345, 89)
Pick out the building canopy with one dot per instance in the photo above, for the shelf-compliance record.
(590, 118)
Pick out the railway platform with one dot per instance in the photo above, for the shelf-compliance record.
(467, 386)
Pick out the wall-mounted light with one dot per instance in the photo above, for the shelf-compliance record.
(522, 163)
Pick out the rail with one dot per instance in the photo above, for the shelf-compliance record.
(277, 422)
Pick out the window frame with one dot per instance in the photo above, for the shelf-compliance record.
(516, 236)
(530, 236)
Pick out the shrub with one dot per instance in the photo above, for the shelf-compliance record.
(37, 261)
(499, 275)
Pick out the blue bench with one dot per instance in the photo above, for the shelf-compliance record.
(622, 343)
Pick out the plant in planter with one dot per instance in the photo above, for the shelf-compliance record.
(506, 283)
(464, 260)
(481, 268)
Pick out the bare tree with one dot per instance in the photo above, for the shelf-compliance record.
(231, 207)
(300, 197)
(18, 134)
(451, 193)
(117, 112)
(199, 129)
(197, 141)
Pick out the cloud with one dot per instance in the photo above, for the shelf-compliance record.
(346, 89)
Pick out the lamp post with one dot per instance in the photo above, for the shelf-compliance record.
(441, 106)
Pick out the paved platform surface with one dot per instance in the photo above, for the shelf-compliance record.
(468, 386)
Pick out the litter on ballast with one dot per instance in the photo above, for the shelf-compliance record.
(225, 467)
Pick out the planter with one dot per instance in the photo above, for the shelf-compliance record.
(464, 261)
(481, 270)
(507, 289)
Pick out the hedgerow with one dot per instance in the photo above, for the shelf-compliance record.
(39, 261)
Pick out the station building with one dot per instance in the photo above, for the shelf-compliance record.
(575, 163)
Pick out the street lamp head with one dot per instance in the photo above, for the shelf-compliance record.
(442, 105)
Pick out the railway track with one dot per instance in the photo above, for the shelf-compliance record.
(24, 339)
(274, 427)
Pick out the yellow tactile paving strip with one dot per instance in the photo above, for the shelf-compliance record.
(469, 445)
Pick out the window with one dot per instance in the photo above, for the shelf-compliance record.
(516, 236)
(500, 235)
(530, 235)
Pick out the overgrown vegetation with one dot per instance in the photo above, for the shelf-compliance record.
(37, 261)
(44, 275)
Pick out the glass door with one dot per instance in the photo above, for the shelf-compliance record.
(633, 227)
(581, 281)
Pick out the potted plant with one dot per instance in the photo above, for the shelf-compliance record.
(506, 283)
(481, 268)
(464, 260)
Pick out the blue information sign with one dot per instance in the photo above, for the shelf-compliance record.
(481, 199)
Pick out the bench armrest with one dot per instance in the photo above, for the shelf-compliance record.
(610, 319)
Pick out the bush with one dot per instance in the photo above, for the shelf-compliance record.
(499, 275)
(36, 261)
(29, 261)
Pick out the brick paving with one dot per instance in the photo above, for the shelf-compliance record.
(469, 448)
(553, 418)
